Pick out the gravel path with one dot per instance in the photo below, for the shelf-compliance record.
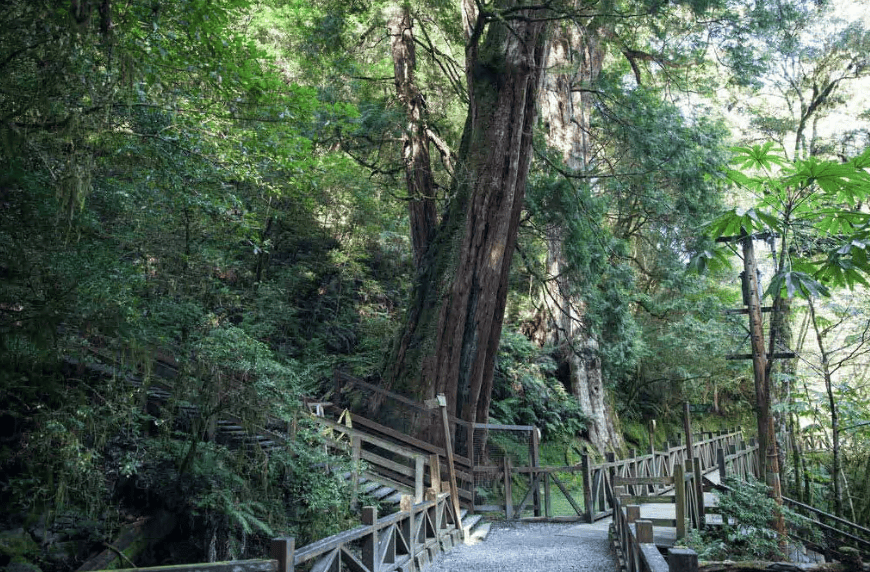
(532, 547)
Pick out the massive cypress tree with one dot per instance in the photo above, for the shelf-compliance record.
(454, 322)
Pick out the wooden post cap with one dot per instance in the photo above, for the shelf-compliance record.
(644, 530)
(682, 560)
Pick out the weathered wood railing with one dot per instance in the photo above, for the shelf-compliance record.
(738, 460)
(687, 499)
(385, 461)
(837, 532)
(634, 544)
(596, 499)
(408, 539)
(402, 441)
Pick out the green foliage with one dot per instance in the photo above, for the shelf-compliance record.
(175, 210)
(526, 391)
(814, 207)
(746, 510)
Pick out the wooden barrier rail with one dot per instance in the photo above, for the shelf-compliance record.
(595, 502)
(598, 478)
(406, 540)
(688, 503)
(634, 545)
(742, 461)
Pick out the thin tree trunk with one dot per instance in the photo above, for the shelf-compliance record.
(415, 145)
(835, 417)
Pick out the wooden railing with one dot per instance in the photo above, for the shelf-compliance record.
(688, 501)
(738, 460)
(634, 544)
(408, 539)
(646, 475)
(742, 462)
(837, 532)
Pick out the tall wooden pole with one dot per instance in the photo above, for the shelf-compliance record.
(768, 464)
(759, 353)
(451, 468)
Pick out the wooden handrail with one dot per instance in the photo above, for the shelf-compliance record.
(635, 545)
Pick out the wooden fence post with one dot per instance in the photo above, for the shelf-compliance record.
(535, 462)
(451, 468)
(699, 490)
(682, 560)
(356, 454)
(435, 473)
(419, 469)
(644, 531)
(687, 422)
(548, 507)
(282, 550)
(470, 430)
(406, 504)
(720, 460)
(508, 489)
(370, 543)
(610, 457)
(588, 502)
(680, 499)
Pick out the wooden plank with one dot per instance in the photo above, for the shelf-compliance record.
(668, 522)
(508, 489)
(235, 566)
(654, 560)
(659, 499)
(331, 543)
(376, 459)
(367, 438)
(565, 469)
(400, 398)
(623, 481)
(428, 447)
(503, 427)
(535, 482)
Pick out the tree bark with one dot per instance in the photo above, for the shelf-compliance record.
(574, 59)
(452, 329)
(415, 144)
(836, 467)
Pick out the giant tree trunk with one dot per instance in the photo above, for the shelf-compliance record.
(454, 322)
(574, 61)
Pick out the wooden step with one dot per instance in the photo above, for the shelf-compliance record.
(469, 522)
(479, 534)
(394, 498)
(370, 487)
(383, 492)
